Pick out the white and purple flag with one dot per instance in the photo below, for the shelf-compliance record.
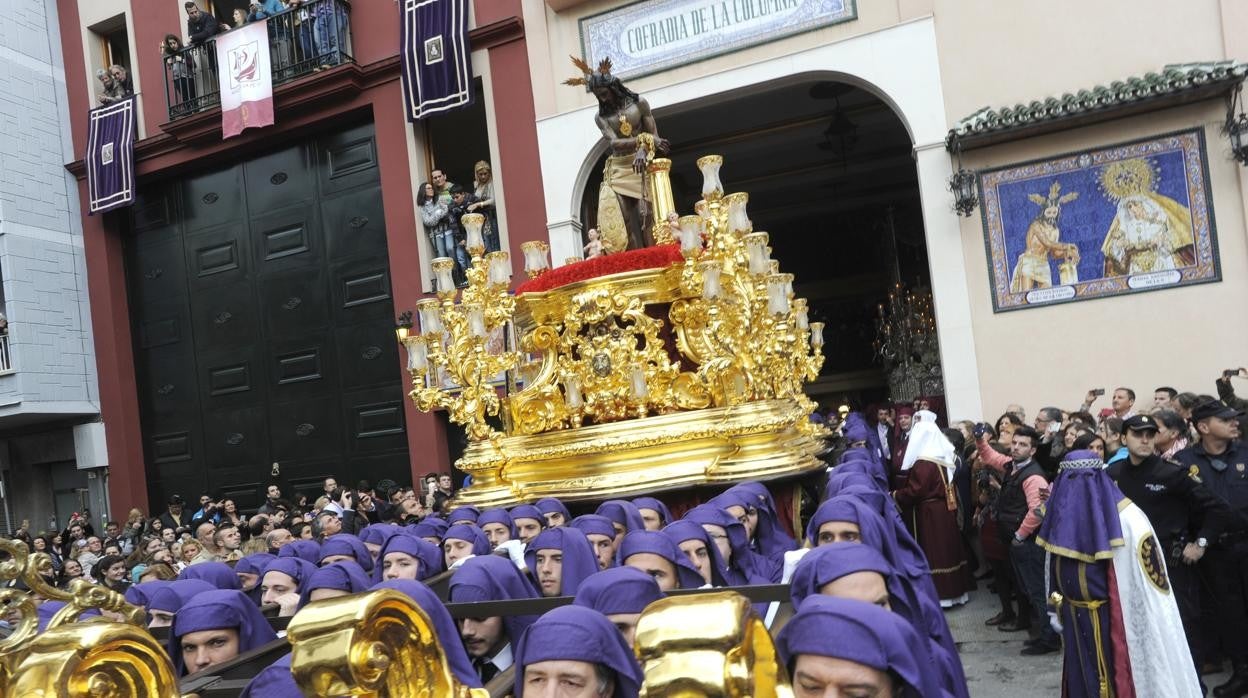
(110, 156)
(437, 62)
(246, 77)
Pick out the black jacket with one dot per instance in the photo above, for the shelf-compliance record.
(202, 27)
(1176, 504)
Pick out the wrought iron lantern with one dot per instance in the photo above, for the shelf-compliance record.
(403, 326)
(1237, 131)
(965, 197)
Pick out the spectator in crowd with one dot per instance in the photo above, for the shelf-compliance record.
(484, 204)
(461, 200)
(113, 91)
(173, 518)
(1164, 398)
(240, 18)
(441, 186)
(1172, 433)
(121, 78)
(329, 27)
(435, 214)
(200, 26)
(180, 71)
(272, 500)
(256, 12)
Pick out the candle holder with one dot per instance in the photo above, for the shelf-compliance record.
(535, 259)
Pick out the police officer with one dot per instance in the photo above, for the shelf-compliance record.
(1183, 513)
(1220, 460)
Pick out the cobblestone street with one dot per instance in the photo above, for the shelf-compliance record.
(994, 667)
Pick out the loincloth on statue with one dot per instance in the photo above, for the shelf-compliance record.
(1032, 271)
(618, 179)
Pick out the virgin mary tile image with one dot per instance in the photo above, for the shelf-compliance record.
(1125, 218)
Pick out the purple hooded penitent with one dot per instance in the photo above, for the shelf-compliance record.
(683, 530)
(1081, 517)
(140, 594)
(527, 511)
(746, 565)
(171, 597)
(864, 634)
(579, 560)
(838, 481)
(623, 513)
(496, 516)
(593, 523)
(769, 536)
(346, 544)
(429, 527)
(254, 563)
(579, 634)
(343, 575)
(665, 514)
(273, 681)
(656, 543)
(618, 590)
(461, 514)
(218, 574)
(494, 578)
(376, 534)
(214, 610)
(297, 569)
(308, 550)
(430, 557)
(472, 534)
(828, 563)
(550, 505)
(443, 626)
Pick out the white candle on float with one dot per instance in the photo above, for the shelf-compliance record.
(417, 354)
(498, 268)
(640, 388)
(710, 280)
(572, 391)
(690, 235)
(738, 222)
(443, 268)
(476, 320)
(777, 299)
(473, 222)
(430, 314)
(756, 251)
(816, 335)
(535, 260)
(801, 315)
(711, 186)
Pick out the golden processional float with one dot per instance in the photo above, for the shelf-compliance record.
(682, 366)
(667, 367)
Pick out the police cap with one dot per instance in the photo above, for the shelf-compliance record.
(1214, 408)
(1139, 422)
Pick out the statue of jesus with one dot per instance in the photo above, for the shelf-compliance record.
(626, 122)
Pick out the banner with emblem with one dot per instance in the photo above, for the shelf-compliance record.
(437, 62)
(246, 78)
(110, 156)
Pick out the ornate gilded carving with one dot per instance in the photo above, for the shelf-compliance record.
(712, 645)
(98, 659)
(47, 664)
(379, 643)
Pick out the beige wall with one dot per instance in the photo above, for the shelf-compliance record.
(1181, 337)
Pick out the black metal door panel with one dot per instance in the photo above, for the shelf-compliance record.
(263, 324)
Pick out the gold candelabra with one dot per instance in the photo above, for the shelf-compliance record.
(463, 343)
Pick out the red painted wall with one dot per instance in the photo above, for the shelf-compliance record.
(375, 30)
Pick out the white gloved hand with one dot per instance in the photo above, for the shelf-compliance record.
(515, 551)
(459, 563)
(1055, 623)
(791, 558)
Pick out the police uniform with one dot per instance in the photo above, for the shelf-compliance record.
(1226, 564)
(1181, 510)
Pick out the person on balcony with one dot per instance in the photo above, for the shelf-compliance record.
(329, 22)
(183, 83)
(200, 26)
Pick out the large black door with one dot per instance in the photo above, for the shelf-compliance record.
(260, 296)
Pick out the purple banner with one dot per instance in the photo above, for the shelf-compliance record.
(437, 63)
(110, 156)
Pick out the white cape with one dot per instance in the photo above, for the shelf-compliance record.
(1161, 664)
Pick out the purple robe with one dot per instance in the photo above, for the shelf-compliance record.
(769, 536)
(550, 505)
(215, 610)
(140, 594)
(464, 513)
(171, 597)
(864, 634)
(578, 634)
(429, 527)
(623, 513)
(496, 516)
(593, 523)
(579, 560)
(618, 590)
(296, 568)
(472, 534)
(746, 565)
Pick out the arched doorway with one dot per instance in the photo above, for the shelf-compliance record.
(831, 175)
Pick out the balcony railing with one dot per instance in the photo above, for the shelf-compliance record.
(303, 40)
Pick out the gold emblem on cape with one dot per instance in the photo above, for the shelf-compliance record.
(1194, 472)
(626, 129)
(1152, 564)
